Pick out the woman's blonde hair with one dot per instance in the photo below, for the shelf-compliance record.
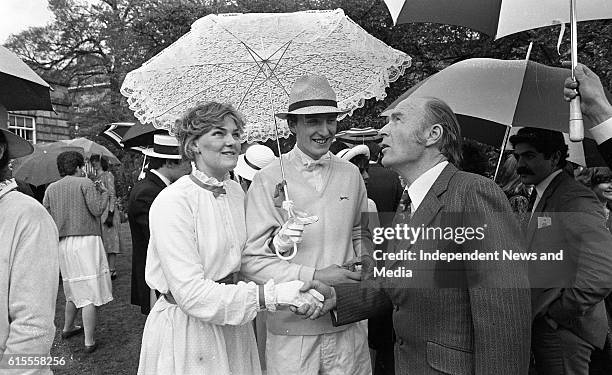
(201, 119)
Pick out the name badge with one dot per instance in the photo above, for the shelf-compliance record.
(544, 221)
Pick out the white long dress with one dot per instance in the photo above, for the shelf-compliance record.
(195, 239)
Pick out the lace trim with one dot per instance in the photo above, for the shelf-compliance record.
(6, 186)
(203, 177)
(210, 63)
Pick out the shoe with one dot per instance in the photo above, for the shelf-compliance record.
(113, 274)
(68, 334)
(90, 348)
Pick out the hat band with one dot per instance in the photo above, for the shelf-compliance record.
(165, 150)
(312, 103)
(251, 164)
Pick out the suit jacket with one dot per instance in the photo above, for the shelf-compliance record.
(141, 197)
(570, 217)
(481, 325)
(385, 190)
(605, 149)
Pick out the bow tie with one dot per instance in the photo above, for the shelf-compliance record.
(216, 190)
(311, 165)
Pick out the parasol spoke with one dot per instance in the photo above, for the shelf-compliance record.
(206, 88)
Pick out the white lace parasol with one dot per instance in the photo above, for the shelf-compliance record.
(252, 60)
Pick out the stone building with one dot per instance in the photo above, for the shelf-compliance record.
(43, 126)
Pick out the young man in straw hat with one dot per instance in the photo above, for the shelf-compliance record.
(331, 190)
(29, 269)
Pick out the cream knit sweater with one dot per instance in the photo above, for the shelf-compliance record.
(76, 206)
(336, 238)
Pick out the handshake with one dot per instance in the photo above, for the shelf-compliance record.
(316, 298)
(325, 300)
(311, 300)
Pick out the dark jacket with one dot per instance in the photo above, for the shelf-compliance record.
(605, 149)
(139, 203)
(570, 217)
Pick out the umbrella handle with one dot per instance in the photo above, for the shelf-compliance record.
(289, 257)
(576, 126)
(290, 215)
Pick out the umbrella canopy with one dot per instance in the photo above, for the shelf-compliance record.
(40, 167)
(20, 87)
(115, 132)
(140, 135)
(92, 148)
(359, 135)
(252, 61)
(489, 95)
(497, 18)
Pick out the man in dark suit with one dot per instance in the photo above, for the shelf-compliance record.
(165, 167)
(569, 314)
(460, 317)
(384, 186)
(595, 106)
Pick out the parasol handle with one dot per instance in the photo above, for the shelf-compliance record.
(290, 213)
(576, 126)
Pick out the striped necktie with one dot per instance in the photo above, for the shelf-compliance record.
(532, 199)
(404, 209)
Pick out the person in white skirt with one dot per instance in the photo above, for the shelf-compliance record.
(199, 325)
(76, 204)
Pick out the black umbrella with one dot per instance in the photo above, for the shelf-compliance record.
(20, 87)
(140, 135)
(115, 132)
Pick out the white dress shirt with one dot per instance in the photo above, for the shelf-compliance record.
(313, 170)
(420, 187)
(541, 187)
(161, 177)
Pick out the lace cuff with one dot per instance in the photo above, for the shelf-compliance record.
(269, 290)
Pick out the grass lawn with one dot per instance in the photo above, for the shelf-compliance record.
(118, 331)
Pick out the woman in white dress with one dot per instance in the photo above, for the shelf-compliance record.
(199, 324)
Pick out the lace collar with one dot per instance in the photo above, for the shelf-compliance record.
(201, 176)
(6, 186)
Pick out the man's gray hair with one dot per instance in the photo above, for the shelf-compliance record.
(437, 111)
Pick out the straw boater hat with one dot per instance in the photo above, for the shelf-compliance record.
(311, 94)
(349, 153)
(164, 147)
(17, 146)
(254, 159)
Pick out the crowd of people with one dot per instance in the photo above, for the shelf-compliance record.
(222, 238)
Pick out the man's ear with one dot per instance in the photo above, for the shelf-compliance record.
(291, 125)
(555, 158)
(3, 148)
(433, 134)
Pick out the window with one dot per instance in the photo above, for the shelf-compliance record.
(23, 126)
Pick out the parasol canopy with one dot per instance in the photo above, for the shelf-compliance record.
(252, 61)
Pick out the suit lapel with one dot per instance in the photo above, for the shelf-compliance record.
(429, 207)
(550, 189)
